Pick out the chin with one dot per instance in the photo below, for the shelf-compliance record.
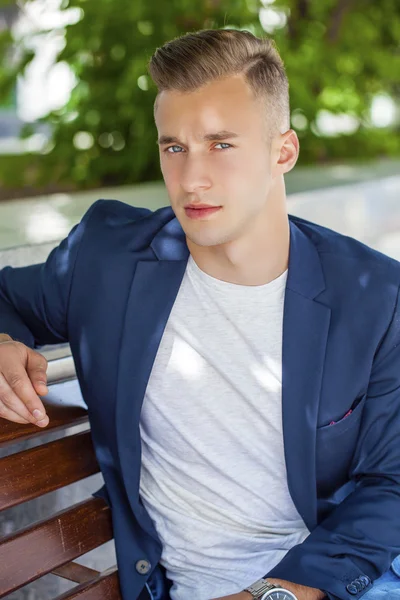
(206, 241)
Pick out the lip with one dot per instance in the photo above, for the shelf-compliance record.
(198, 206)
(200, 211)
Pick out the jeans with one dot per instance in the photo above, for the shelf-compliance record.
(387, 587)
(158, 585)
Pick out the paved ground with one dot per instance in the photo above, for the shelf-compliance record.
(367, 210)
(48, 218)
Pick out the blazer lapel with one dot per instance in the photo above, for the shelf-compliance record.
(305, 333)
(153, 291)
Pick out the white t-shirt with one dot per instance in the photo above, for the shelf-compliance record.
(213, 475)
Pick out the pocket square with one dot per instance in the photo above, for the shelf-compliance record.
(346, 415)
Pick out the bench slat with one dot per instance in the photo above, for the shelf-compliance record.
(106, 587)
(75, 572)
(32, 473)
(40, 548)
(60, 418)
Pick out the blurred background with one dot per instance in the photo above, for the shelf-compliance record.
(76, 106)
(76, 124)
(74, 82)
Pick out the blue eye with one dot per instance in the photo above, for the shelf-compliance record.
(224, 144)
(173, 152)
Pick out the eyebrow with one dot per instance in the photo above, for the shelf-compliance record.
(219, 136)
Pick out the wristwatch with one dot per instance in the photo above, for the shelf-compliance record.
(264, 590)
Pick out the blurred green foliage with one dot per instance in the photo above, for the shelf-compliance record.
(338, 53)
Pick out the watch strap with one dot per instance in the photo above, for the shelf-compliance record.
(258, 589)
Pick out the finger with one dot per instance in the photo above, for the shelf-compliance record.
(10, 415)
(40, 388)
(4, 337)
(36, 368)
(21, 385)
(9, 401)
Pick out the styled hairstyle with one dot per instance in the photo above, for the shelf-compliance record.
(195, 59)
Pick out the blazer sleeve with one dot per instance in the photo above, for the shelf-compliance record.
(361, 536)
(34, 299)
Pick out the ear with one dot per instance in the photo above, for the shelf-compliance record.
(287, 152)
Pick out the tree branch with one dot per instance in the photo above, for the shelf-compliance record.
(343, 6)
(300, 13)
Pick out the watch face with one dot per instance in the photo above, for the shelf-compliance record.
(280, 595)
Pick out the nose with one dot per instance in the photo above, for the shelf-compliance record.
(194, 175)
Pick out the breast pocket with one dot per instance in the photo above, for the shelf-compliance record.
(330, 431)
(335, 446)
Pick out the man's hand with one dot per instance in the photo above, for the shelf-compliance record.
(300, 591)
(22, 378)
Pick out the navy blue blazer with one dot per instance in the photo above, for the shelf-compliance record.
(108, 290)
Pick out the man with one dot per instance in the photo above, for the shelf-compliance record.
(241, 368)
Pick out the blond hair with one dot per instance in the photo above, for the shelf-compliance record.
(195, 59)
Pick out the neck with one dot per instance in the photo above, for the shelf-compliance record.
(256, 258)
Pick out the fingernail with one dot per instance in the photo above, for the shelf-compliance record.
(42, 423)
(37, 414)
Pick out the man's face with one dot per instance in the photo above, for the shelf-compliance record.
(232, 170)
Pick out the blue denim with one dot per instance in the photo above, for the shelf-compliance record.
(386, 587)
(158, 585)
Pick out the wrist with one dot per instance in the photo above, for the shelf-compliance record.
(270, 589)
(300, 591)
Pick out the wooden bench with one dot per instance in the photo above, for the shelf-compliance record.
(52, 545)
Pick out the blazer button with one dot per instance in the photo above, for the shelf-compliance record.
(365, 580)
(352, 588)
(143, 566)
(359, 584)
